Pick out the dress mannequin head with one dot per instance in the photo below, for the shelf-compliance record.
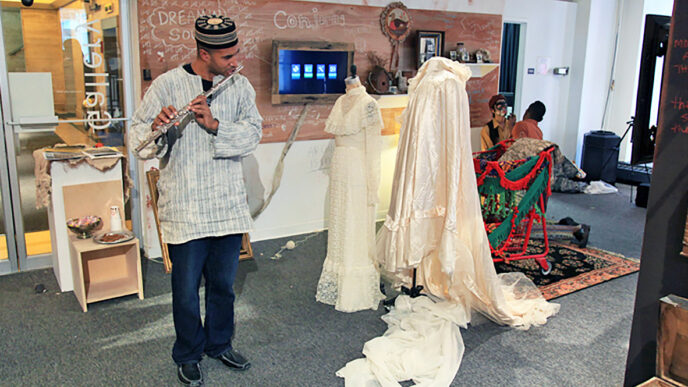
(352, 82)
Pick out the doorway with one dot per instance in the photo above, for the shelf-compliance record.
(511, 67)
(60, 83)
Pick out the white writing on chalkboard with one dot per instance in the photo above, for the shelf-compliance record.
(284, 20)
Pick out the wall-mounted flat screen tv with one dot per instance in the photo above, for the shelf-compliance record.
(309, 71)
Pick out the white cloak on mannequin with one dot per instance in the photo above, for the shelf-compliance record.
(434, 221)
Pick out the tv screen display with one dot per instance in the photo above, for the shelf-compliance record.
(309, 71)
(312, 72)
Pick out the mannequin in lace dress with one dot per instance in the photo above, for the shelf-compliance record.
(349, 279)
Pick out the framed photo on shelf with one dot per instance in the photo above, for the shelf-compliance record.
(430, 43)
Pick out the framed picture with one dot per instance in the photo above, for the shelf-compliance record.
(430, 43)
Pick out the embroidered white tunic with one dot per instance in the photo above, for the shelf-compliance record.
(201, 185)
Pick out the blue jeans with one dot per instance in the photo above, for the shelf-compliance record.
(216, 259)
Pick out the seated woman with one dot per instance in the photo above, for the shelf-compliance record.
(528, 128)
(499, 127)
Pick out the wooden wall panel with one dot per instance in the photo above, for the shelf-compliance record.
(43, 48)
(166, 40)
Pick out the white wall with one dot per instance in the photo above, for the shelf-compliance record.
(596, 48)
(623, 96)
(596, 71)
(577, 78)
(300, 203)
(549, 32)
(559, 30)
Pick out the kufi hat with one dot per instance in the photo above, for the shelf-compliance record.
(215, 32)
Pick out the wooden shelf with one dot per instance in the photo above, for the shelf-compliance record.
(481, 69)
(102, 272)
(111, 289)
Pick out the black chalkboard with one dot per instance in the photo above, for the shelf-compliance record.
(663, 270)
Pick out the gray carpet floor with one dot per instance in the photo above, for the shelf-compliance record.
(294, 341)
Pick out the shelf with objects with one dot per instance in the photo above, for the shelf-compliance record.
(105, 261)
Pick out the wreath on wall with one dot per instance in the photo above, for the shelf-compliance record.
(396, 26)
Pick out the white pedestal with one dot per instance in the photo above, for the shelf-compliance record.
(64, 174)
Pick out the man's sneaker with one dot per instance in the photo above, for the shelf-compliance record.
(190, 374)
(234, 360)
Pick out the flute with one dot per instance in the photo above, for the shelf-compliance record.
(183, 113)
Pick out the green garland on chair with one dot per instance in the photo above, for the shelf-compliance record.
(501, 200)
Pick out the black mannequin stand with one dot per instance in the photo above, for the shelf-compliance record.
(413, 292)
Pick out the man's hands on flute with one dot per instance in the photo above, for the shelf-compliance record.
(164, 117)
(199, 106)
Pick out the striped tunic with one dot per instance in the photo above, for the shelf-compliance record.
(201, 184)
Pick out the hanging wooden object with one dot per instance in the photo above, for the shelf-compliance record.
(395, 22)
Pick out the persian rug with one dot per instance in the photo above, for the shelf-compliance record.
(574, 268)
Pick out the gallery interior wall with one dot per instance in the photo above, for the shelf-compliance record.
(577, 34)
(549, 37)
(299, 205)
(595, 34)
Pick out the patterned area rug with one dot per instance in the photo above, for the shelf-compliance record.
(574, 268)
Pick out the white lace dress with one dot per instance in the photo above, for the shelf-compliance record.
(349, 279)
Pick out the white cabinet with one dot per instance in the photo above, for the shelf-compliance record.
(94, 202)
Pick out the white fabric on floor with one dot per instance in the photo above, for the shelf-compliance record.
(600, 187)
(422, 343)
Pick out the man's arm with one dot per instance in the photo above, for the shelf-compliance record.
(241, 137)
(141, 124)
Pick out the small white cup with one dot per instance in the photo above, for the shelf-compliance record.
(115, 219)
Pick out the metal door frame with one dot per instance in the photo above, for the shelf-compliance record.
(9, 180)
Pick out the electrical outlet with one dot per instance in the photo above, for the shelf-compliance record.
(108, 8)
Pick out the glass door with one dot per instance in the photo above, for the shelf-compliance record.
(62, 85)
(8, 256)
